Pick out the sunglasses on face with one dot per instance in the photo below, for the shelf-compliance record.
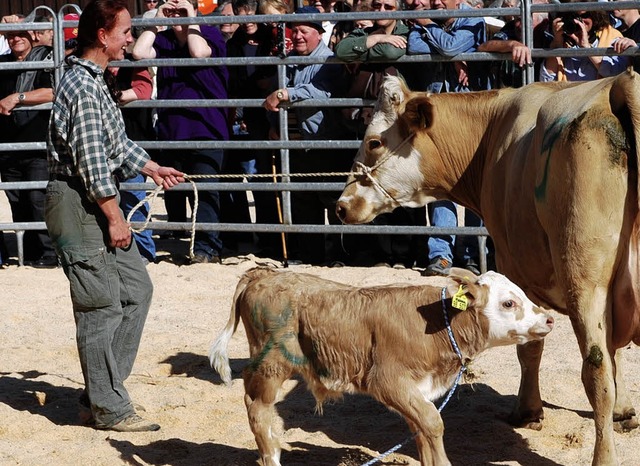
(151, 1)
(379, 6)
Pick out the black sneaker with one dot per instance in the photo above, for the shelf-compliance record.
(440, 266)
(472, 266)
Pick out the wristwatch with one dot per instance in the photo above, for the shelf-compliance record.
(21, 97)
(280, 94)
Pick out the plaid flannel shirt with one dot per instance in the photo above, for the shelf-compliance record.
(87, 136)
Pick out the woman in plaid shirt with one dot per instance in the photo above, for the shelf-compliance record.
(88, 152)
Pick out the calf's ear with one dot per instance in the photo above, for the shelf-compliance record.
(468, 283)
(418, 113)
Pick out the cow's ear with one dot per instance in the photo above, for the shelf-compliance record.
(418, 113)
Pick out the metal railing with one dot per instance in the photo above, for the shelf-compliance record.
(525, 11)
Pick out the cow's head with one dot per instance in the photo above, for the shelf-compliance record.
(509, 316)
(391, 171)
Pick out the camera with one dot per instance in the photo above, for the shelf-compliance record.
(569, 25)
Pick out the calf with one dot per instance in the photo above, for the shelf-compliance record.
(390, 342)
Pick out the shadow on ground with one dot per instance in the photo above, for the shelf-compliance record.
(59, 405)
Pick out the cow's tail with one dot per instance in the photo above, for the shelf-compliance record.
(218, 356)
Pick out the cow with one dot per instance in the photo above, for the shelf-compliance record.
(553, 170)
(390, 342)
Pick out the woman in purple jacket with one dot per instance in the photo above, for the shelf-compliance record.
(192, 123)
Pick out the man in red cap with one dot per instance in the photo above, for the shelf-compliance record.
(70, 34)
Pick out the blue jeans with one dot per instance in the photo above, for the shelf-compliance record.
(128, 200)
(443, 214)
(197, 162)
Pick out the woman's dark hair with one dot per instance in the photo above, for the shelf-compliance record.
(98, 14)
(599, 19)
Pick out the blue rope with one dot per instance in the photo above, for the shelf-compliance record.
(443, 296)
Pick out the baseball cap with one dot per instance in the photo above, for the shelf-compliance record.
(306, 10)
(71, 33)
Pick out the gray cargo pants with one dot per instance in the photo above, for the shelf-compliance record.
(111, 294)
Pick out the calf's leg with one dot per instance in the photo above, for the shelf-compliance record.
(422, 417)
(260, 396)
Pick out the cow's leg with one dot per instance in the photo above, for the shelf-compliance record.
(421, 415)
(260, 396)
(624, 415)
(528, 411)
(591, 324)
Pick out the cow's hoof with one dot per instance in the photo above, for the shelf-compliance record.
(517, 420)
(626, 425)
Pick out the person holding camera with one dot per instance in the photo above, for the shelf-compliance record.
(184, 41)
(582, 30)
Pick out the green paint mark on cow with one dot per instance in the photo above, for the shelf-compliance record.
(296, 359)
(277, 325)
(595, 356)
(254, 364)
(549, 139)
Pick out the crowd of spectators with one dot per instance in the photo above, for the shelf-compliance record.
(369, 50)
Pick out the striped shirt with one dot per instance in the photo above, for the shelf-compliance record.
(86, 135)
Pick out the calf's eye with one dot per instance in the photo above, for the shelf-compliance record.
(508, 304)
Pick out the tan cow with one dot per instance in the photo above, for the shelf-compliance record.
(553, 171)
(390, 342)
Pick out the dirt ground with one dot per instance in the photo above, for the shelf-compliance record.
(204, 422)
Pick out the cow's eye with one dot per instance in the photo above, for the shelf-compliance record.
(509, 304)
(374, 144)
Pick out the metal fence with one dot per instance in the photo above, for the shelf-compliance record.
(286, 184)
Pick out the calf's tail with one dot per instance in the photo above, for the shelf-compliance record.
(218, 356)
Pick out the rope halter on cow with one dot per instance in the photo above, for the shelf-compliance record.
(463, 368)
(367, 172)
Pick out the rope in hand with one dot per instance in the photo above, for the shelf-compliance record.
(363, 170)
(151, 197)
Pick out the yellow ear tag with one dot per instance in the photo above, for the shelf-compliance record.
(459, 300)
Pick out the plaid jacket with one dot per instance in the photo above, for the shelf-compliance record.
(86, 135)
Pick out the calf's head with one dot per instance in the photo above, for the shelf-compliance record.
(510, 317)
(391, 170)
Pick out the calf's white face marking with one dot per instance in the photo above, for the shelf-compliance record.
(513, 318)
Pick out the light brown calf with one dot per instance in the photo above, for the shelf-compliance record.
(390, 342)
